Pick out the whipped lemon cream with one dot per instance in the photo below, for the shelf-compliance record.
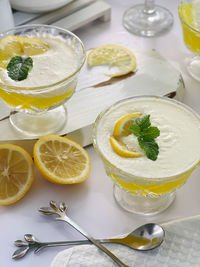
(179, 140)
(57, 63)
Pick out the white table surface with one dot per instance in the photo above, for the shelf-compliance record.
(91, 203)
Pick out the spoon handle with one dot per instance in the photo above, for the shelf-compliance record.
(41, 245)
(94, 241)
(61, 211)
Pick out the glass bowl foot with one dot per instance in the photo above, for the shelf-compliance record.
(193, 67)
(37, 125)
(143, 204)
(147, 24)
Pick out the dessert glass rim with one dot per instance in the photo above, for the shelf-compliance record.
(183, 20)
(136, 178)
(18, 89)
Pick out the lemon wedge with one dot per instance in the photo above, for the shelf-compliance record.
(16, 173)
(117, 57)
(123, 124)
(61, 160)
(17, 46)
(122, 150)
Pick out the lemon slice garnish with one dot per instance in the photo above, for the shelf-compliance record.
(122, 150)
(16, 173)
(18, 46)
(123, 124)
(122, 59)
(61, 160)
(121, 130)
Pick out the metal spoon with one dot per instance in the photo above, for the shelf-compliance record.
(145, 237)
(61, 209)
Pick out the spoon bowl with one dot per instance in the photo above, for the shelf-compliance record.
(145, 237)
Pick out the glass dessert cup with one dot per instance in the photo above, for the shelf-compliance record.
(189, 17)
(140, 194)
(147, 19)
(40, 110)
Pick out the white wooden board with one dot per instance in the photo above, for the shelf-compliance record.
(96, 91)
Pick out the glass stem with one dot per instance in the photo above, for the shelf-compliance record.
(149, 7)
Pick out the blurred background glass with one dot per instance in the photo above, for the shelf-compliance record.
(189, 14)
(147, 19)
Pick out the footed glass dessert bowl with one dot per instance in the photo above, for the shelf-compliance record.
(189, 13)
(149, 146)
(39, 67)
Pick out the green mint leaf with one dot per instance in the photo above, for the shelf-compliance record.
(19, 67)
(151, 148)
(150, 133)
(135, 129)
(143, 122)
(146, 135)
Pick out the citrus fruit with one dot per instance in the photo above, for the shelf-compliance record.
(123, 124)
(117, 57)
(16, 173)
(17, 46)
(61, 160)
(122, 150)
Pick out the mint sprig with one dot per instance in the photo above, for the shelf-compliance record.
(19, 67)
(146, 135)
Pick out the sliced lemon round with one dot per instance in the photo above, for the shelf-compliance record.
(121, 59)
(122, 150)
(14, 45)
(16, 173)
(61, 160)
(123, 124)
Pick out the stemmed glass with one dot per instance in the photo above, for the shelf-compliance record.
(40, 110)
(147, 19)
(139, 194)
(189, 14)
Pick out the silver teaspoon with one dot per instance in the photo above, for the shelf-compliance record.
(60, 210)
(145, 237)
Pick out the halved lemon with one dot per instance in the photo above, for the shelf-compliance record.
(17, 46)
(61, 160)
(122, 59)
(122, 150)
(16, 173)
(123, 124)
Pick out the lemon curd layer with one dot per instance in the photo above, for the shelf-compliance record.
(190, 15)
(179, 146)
(57, 63)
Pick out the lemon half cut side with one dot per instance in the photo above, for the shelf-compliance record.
(61, 160)
(16, 173)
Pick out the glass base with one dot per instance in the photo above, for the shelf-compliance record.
(147, 24)
(142, 204)
(37, 125)
(193, 67)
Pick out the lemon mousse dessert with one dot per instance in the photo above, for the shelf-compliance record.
(39, 67)
(149, 147)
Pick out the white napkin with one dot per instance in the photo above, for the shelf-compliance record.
(181, 248)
